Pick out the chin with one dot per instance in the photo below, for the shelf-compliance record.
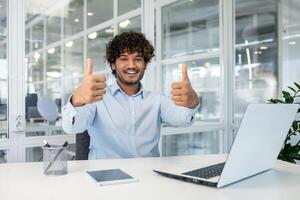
(131, 82)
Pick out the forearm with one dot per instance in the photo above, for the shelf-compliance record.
(177, 115)
(77, 119)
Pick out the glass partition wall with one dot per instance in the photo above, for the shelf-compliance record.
(3, 78)
(59, 36)
(190, 33)
(256, 53)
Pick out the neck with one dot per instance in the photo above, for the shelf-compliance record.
(129, 89)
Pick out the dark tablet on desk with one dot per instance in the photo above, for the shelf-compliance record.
(110, 176)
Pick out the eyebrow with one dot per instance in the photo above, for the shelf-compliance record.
(135, 56)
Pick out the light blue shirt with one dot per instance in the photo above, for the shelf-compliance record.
(123, 126)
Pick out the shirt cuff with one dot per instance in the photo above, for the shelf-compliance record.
(71, 111)
(191, 112)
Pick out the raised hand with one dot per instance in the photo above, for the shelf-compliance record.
(182, 92)
(92, 88)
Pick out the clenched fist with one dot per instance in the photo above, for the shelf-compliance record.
(92, 88)
(182, 92)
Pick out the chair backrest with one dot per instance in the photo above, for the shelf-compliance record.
(82, 146)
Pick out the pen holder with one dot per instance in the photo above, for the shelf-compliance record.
(55, 160)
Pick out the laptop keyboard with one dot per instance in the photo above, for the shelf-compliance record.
(207, 172)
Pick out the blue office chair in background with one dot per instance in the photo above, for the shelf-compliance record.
(49, 111)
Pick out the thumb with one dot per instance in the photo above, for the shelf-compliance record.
(184, 72)
(89, 67)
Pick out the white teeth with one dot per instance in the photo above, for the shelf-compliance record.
(131, 72)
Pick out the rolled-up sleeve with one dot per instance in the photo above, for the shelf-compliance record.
(77, 119)
(174, 115)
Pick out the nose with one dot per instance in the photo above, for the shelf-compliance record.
(131, 62)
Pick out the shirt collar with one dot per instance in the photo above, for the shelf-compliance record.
(116, 88)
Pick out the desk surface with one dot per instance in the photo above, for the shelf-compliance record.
(26, 181)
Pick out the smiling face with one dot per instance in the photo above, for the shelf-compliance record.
(129, 68)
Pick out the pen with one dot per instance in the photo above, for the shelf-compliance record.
(56, 156)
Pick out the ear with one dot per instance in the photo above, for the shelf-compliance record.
(113, 66)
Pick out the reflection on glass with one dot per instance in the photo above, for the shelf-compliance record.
(132, 24)
(54, 91)
(96, 47)
(190, 27)
(53, 27)
(290, 42)
(3, 18)
(3, 75)
(3, 156)
(35, 154)
(37, 88)
(69, 86)
(27, 40)
(38, 35)
(98, 11)
(73, 58)
(53, 63)
(35, 67)
(205, 77)
(256, 53)
(125, 6)
(41, 129)
(192, 143)
(34, 93)
(35, 8)
(73, 17)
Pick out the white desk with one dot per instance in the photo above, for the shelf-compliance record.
(25, 181)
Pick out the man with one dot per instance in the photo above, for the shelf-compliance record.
(123, 119)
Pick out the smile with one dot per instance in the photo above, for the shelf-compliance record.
(131, 72)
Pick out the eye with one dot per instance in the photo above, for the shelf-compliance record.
(139, 59)
(123, 58)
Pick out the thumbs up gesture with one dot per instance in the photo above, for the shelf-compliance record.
(182, 92)
(92, 88)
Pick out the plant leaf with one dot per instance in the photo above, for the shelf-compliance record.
(297, 85)
(297, 157)
(292, 89)
(285, 94)
(295, 125)
(289, 100)
(276, 101)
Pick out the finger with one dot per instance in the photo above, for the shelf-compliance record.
(176, 85)
(98, 93)
(176, 98)
(178, 91)
(89, 67)
(184, 72)
(179, 103)
(99, 86)
(99, 78)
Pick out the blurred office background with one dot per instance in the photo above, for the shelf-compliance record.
(238, 52)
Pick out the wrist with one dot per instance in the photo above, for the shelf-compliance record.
(195, 101)
(75, 101)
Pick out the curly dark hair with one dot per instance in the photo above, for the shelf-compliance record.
(129, 42)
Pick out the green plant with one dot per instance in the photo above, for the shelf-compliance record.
(290, 152)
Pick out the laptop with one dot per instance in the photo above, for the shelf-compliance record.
(255, 149)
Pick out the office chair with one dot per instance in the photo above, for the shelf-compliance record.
(82, 146)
